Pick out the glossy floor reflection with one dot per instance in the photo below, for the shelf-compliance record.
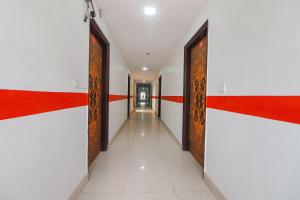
(145, 163)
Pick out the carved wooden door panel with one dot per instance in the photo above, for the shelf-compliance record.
(198, 100)
(95, 87)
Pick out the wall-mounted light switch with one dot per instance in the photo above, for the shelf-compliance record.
(222, 88)
(78, 85)
(75, 83)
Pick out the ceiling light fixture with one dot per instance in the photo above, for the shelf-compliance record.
(145, 68)
(150, 11)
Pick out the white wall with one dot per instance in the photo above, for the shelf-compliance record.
(44, 46)
(172, 85)
(254, 48)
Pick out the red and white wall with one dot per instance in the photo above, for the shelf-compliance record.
(44, 46)
(252, 142)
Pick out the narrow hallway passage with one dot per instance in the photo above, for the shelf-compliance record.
(145, 162)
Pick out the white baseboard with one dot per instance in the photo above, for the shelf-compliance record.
(78, 190)
(171, 133)
(117, 133)
(214, 189)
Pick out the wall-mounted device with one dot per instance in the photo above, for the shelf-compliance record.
(76, 85)
(222, 88)
(90, 10)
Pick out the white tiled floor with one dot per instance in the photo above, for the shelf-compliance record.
(145, 163)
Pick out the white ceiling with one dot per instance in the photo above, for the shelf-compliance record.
(137, 34)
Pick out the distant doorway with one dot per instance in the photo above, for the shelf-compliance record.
(159, 96)
(195, 81)
(143, 97)
(98, 92)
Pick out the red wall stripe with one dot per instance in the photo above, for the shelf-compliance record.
(177, 99)
(116, 97)
(18, 103)
(282, 108)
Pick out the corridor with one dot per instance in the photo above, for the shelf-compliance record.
(145, 162)
(149, 100)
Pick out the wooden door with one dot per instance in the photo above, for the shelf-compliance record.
(95, 92)
(198, 100)
(128, 96)
(159, 96)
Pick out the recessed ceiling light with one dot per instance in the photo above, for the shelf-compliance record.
(150, 11)
(145, 68)
(144, 81)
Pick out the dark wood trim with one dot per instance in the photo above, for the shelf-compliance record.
(159, 95)
(96, 31)
(150, 97)
(136, 95)
(200, 34)
(128, 96)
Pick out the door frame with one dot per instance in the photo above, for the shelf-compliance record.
(96, 31)
(150, 92)
(150, 96)
(129, 96)
(159, 96)
(199, 35)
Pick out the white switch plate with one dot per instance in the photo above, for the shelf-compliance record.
(222, 88)
(78, 85)
(75, 83)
